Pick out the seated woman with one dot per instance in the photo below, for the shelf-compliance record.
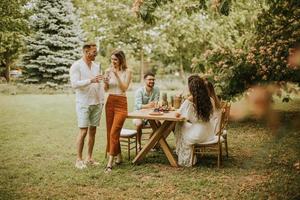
(216, 118)
(197, 110)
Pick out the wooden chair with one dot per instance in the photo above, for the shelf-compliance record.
(146, 130)
(225, 105)
(127, 138)
(216, 143)
(226, 119)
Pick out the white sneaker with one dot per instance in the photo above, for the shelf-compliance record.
(80, 164)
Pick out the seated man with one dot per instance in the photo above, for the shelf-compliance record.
(145, 97)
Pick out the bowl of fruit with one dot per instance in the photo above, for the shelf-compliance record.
(161, 110)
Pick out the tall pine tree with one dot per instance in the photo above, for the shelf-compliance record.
(55, 42)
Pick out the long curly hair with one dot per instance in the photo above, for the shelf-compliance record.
(212, 94)
(201, 99)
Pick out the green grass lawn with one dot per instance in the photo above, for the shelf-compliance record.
(37, 148)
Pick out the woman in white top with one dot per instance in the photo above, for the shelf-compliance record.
(118, 78)
(197, 110)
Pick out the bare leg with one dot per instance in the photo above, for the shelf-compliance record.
(80, 142)
(139, 135)
(91, 141)
(110, 161)
(119, 158)
(139, 124)
(109, 164)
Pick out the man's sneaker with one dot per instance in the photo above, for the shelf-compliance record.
(80, 164)
(92, 162)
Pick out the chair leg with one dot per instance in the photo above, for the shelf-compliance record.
(202, 152)
(128, 146)
(220, 155)
(221, 152)
(226, 147)
(136, 145)
(193, 154)
(219, 160)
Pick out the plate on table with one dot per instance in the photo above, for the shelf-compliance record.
(156, 113)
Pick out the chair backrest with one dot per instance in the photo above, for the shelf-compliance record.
(225, 111)
(221, 125)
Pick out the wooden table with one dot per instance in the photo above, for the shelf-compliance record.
(160, 132)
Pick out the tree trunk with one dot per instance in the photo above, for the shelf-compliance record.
(182, 75)
(142, 65)
(7, 73)
(142, 55)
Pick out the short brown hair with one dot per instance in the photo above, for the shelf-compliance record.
(88, 45)
(149, 74)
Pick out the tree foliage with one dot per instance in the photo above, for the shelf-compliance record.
(13, 28)
(171, 38)
(113, 25)
(145, 8)
(236, 43)
(278, 28)
(183, 36)
(265, 59)
(54, 43)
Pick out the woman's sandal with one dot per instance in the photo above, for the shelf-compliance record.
(118, 163)
(108, 169)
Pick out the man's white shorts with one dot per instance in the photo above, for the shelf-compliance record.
(88, 115)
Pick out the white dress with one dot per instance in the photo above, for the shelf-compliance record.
(216, 120)
(191, 132)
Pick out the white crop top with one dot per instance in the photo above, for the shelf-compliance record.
(114, 84)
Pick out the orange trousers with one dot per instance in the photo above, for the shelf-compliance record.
(116, 113)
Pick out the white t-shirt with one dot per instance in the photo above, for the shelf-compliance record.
(87, 93)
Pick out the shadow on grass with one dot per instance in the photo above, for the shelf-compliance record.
(242, 154)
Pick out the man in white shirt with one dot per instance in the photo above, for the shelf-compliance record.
(86, 80)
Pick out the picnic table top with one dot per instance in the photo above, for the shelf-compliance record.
(146, 114)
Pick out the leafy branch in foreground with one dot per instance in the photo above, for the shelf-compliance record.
(145, 8)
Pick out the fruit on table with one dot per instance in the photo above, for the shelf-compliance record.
(164, 109)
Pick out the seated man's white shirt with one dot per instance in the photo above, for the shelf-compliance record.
(87, 93)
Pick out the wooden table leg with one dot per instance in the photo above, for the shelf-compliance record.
(165, 147)
(153, 125)
(167, 150)
(152, 141)
(159, 136)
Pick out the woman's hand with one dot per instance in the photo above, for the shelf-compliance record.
(149, 105)
(106, 81)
